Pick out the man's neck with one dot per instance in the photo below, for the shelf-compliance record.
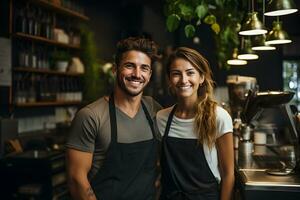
(128, 104)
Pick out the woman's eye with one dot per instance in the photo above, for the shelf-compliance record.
(175, 74)
(191, 73)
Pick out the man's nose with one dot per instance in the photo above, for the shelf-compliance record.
(137, 72)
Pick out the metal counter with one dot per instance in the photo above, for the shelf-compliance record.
(253, 182)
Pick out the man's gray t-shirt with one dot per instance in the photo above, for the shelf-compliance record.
(90, 131)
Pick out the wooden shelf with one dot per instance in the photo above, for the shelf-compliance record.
(45, 40)
(59, 9)
(50, 103)
(45, 71)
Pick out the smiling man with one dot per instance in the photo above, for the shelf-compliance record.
(112, 147)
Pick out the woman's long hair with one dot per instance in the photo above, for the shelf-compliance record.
(205, 119)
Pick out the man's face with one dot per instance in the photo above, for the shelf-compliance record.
(133, 72)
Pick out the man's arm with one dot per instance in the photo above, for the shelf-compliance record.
(78, 166)
(226, 165)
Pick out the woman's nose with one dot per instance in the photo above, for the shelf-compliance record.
(184, 78)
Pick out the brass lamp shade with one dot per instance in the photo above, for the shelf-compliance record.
(258, 43)
(246, 52)
(277, 35)
(252, 26)
(235, 60)
(280, 7)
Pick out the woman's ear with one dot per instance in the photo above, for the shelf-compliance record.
(202, 79)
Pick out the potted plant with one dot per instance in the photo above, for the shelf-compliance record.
(60, 60)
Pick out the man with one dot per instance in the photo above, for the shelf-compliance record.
(112, 147)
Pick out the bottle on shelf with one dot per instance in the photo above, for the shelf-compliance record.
(37, 23)
(30, 19)
(31, 98)
(19, 93)
(20, 20)
(32, 57)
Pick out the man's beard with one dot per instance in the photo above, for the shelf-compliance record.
(123, 87)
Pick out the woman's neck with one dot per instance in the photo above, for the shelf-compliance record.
(186, 109)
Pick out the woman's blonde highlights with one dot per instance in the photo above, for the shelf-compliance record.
(205, 118)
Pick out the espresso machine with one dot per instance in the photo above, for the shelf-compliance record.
(238, 87)
(270, 115)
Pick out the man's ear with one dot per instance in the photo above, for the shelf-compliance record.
(114, 69)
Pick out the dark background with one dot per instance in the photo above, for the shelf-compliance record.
(115, 19)
(112, 20)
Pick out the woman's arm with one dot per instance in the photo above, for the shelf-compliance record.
(224, 146)
(78, 166)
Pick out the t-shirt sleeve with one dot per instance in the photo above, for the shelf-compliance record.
(224, 122)
(152, 105)
(83, 131)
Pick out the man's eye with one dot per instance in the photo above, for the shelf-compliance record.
(128, 66)
(145, 68)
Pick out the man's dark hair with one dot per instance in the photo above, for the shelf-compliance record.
(144, 45)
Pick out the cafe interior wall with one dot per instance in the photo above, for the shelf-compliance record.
(113, 20)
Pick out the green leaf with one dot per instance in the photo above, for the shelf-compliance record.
(173, 22)
(210, 19)
(201, 11)
(189, 30)
(186, 10)
(220, 3)
(216, 28)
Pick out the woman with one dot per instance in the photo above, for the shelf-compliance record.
(197, 151)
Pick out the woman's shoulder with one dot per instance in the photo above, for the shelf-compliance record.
(222, 113)
(163, 113)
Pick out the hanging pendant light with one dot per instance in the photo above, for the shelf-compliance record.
(280, 7)
(277, 35)
(235, 60)
(258, 43)
(253, 25)
(246, 52)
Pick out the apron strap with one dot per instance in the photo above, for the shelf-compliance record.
(113, 119)
(150, 121)
(170, 118)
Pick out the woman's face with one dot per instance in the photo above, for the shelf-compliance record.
(185, 79)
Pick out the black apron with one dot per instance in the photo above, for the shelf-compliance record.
(129, 170)
(185, 171)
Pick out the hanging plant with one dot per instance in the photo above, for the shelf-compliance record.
(223, 16)
(97, 77)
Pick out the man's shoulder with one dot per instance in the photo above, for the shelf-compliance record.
(151, 104)
(95, 107)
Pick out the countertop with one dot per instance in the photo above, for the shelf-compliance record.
(251, 171)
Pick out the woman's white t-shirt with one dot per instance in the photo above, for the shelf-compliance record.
(184, 128)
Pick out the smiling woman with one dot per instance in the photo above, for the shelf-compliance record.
(197, 127)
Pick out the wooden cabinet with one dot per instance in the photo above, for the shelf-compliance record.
(35, 174)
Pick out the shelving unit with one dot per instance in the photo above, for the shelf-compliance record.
(46, 71)
(35, 42)
(49, 103)
(59, 9)
(44, 40)
(42, 89)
